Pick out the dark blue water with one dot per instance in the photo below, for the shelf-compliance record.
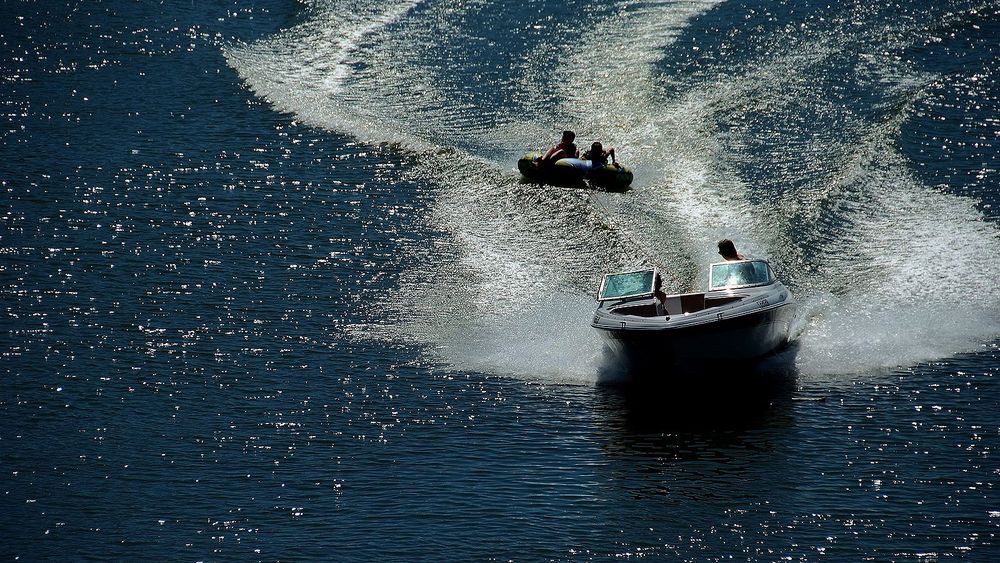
(271, 289)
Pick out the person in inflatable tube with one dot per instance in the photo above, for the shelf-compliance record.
(563, 149)
(598, 157)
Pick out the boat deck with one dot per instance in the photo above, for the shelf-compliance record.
(676, 305)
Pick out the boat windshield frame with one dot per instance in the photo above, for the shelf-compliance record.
(760, 274)
(639, 292)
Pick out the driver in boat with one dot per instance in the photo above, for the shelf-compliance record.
(661, 298)
(598, 157)
(563, 149)
(728, 250)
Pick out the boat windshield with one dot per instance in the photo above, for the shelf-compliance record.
(740, 273)
(628, 284)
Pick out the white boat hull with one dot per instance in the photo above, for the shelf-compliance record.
(737, 339)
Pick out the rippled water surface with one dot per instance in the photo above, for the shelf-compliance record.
(272, 289)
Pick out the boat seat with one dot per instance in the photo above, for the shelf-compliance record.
(673, 305)
(680, 304)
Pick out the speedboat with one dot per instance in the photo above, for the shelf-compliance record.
(574, 171)
(745, 315)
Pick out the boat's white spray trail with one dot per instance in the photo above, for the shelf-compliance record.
(509, 289)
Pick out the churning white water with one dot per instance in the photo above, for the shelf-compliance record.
(889, 272)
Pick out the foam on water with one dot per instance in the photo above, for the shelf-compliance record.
(852, 334)
(916, 272)
(303, 70)
(550, 341)
(890, 272)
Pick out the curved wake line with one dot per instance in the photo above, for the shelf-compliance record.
(303, 70)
